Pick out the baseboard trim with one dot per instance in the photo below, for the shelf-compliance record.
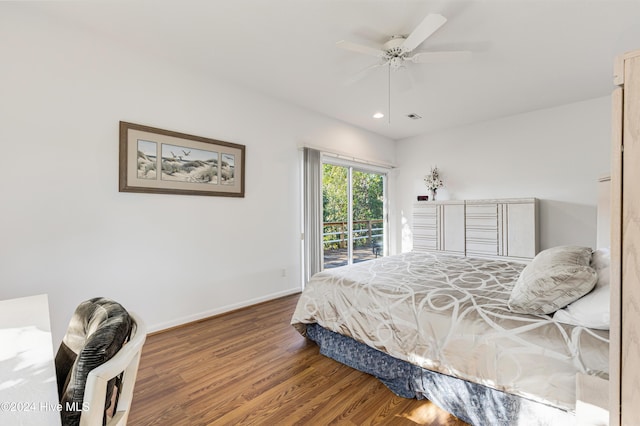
(179, 322)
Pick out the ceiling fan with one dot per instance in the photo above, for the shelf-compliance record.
(399, 49)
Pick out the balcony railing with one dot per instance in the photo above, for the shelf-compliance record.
(367, 241)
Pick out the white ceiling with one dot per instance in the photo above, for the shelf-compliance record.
(527, 55)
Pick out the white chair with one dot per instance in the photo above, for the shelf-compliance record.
(125, 361)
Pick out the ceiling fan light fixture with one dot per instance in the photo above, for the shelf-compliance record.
(398, 52)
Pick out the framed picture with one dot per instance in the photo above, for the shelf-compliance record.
(164, 162)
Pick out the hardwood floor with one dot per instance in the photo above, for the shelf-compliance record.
(251, 367)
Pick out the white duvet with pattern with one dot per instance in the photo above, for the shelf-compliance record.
(449, 314)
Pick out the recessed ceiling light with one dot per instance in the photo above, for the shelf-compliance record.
(378, 115)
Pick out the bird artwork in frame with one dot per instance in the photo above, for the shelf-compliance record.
(161, 161)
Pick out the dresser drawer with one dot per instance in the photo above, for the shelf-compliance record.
(425, 232)
(482, 216)
(489, 235)
(424, 243)
(482, 222)
(425, 214)
(482, 210)
(425, 220)
(476, 247)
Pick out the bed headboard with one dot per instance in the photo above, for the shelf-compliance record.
(603, 236)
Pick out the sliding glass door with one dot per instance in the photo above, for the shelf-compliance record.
(353, 213)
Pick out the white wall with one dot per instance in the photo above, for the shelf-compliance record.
(555, 155)
(68, 232)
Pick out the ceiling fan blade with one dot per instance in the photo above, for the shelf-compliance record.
(362, 73)
(428, 26)
(360, 48)
(440, 57)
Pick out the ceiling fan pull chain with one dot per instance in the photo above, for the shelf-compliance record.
(389, 93)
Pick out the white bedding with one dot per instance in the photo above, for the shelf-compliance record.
(449, 314)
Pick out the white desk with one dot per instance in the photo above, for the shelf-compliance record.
(28, 389)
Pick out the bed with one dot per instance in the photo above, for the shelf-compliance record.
(472, 335)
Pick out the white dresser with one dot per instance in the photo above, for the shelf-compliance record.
(439, 225)
(500, 228)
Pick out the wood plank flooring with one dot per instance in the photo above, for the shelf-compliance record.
(251, 367)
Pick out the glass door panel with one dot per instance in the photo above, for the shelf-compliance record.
(353, 215)
(335, 205)
(367, 215)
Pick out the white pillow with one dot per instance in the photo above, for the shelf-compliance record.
(554, 278)
(590, 311)
(593, 309)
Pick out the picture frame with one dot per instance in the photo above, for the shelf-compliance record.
(188, 164)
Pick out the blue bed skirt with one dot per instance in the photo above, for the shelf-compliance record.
(471, 402)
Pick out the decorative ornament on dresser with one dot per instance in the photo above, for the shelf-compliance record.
(433, 182)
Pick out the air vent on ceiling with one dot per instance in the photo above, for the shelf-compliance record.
(414, 116)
